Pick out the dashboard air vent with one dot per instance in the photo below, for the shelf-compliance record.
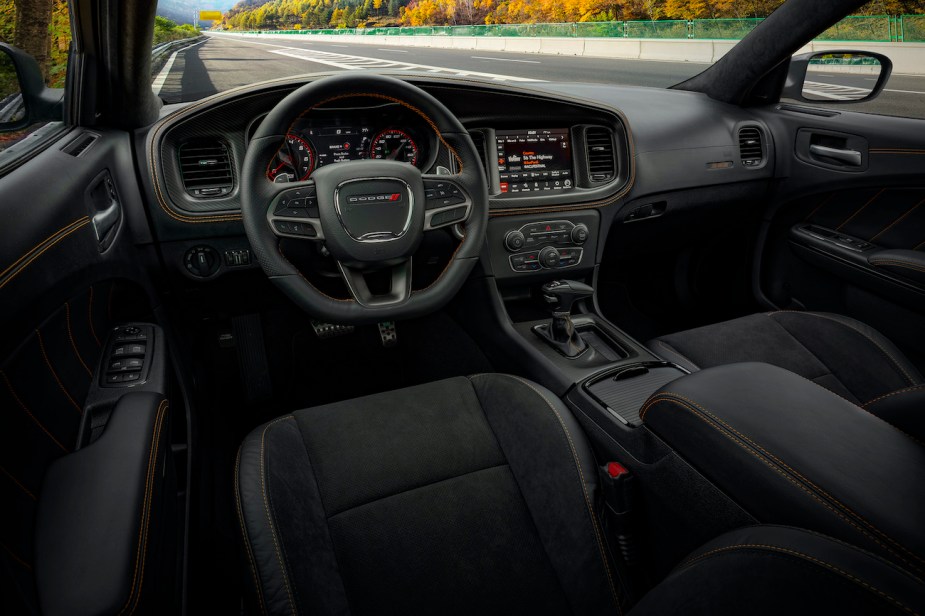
(601, 163)
(206, 168)
(751, 152)
(78, 146)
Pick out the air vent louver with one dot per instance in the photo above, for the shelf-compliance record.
(601, 163)
(751, 152)
(206, 169)
(78, 146)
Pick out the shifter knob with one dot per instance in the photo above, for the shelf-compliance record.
(559, 295)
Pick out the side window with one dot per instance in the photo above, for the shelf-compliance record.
(35, 38)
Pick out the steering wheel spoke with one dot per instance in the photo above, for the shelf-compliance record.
(371, 214)
(293, 212)
(399, 285)
(446, 203)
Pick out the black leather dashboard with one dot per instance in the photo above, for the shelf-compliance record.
(663, 140)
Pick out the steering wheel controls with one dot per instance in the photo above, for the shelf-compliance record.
(295, 213)
(445, 204)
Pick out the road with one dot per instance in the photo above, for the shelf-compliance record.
(219, 64)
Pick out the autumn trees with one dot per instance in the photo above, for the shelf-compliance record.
(287, 14)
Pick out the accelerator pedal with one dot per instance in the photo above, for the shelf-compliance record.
(388, 335)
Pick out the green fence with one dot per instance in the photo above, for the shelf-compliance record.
(875, 28)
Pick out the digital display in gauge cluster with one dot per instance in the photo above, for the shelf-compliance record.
(308, 148)
(534, 160)
(335, 144)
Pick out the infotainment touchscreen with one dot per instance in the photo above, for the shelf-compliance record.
(534, 160)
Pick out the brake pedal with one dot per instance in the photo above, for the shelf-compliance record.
(388, 335)
(330, 330)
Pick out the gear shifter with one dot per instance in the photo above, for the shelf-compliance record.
(559, 295)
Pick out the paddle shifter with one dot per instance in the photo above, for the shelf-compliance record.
(559, 295)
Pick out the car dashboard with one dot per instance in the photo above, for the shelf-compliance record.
(564, 162)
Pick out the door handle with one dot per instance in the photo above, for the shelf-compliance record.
(850, 157)
(104, 221)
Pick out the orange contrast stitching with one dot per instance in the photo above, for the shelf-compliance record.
(813, 559)
(28, 412)
(690, 405)
(266, 505)
(17, 482)
(142, 548)
(90, 317)
(860, 209)
(898, 263)
(822, 204)
(892, 393)
(581, 476)
(893, 224)
(15, 557)
(38, 335)
(28, 252)
(895, 151)
(247, 544)
(79, 224)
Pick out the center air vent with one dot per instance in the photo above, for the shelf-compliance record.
(601, 164)
(206, 168)
(751, 152)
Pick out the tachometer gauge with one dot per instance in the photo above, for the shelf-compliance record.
(394, 144)
(295, 161)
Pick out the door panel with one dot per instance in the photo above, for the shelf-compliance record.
(69, 270)
(850, 238)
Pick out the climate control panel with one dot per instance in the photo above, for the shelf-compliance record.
(546, 244)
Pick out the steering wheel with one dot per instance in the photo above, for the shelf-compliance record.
(370, 214)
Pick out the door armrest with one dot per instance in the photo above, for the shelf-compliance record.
(97, 525)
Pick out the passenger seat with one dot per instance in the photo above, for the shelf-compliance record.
(841, 354)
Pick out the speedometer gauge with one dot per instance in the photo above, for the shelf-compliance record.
(295, 161)
(394, 144)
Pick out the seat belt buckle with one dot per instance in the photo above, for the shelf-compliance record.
(617, 486)
(616, 483)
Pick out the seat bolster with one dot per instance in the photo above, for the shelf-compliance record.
(258, 526)
(537, 431)
(791, 452)
(904, 408)
(882, 344)
(778, 569)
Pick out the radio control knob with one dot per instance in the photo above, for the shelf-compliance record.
(514, 240)
(580, 234)
(549, 257)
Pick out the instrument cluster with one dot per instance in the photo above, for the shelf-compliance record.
(328, 136)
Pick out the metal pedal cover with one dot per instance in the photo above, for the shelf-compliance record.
(330, 330)
(387, 333)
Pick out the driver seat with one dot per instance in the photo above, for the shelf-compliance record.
(478, 495)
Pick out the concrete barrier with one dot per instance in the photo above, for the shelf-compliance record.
(908, 58)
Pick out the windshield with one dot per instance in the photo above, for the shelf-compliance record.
(655, 43)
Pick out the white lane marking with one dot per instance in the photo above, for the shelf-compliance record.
(506, 60)
(348, 62)
(904, 91)
(161, 78)
(835, 91)
(393, 50)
